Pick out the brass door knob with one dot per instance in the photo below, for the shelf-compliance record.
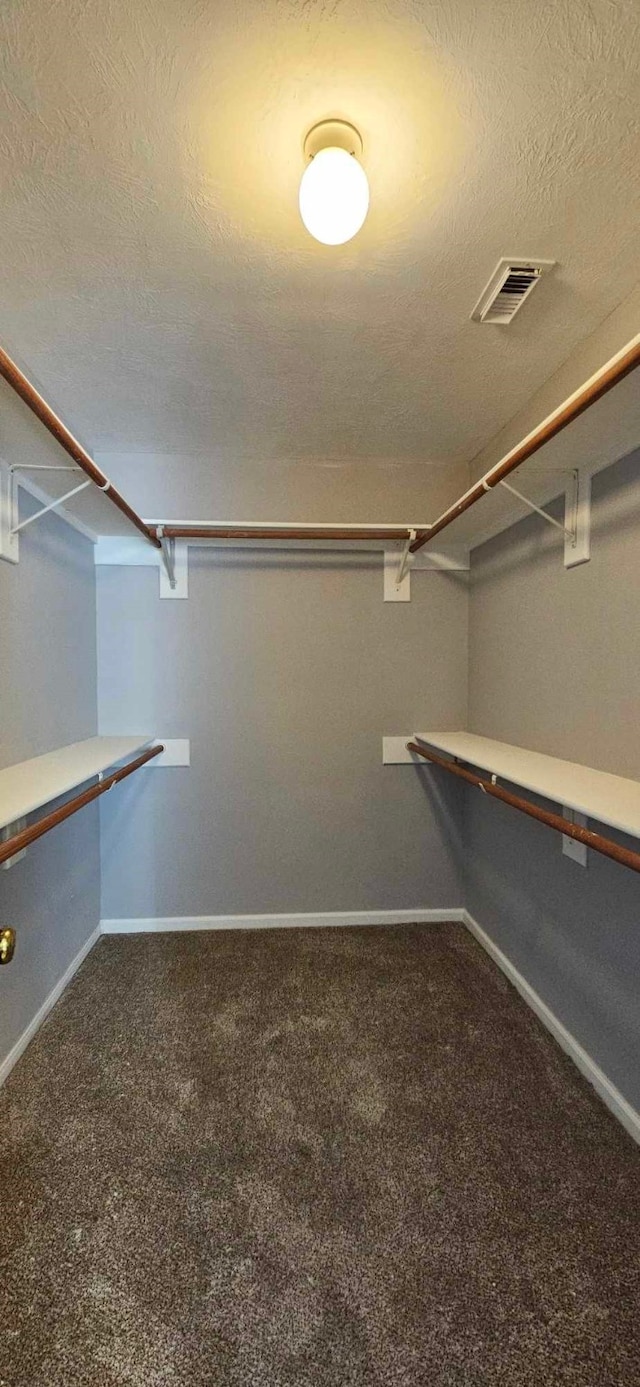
(7, 945)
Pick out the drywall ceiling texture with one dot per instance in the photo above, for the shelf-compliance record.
(157, 280)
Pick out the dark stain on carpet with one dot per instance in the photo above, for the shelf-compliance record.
(310, 1158)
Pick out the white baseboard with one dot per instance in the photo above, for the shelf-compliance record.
(170, 923)
(609, 1094)
(41, 1015)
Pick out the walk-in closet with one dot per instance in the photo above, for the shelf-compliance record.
(319, 694)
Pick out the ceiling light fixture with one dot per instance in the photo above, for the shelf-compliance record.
(334, 192)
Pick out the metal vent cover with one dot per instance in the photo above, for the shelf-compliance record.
(511, 283)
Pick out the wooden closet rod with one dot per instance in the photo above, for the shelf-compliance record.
(544, 816)
(327, 532)
(27, 392)
(603, 381)
(57, 816)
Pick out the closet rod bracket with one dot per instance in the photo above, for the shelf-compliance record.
(174, 564)
(10, 831)
(168, 554)
(576, 528)
(577, 518)
(550, 519)
(53, 505)
(9, 544)
(10, 524)
(405, 557)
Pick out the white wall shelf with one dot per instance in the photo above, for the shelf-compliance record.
(29, 785)
(610, 799)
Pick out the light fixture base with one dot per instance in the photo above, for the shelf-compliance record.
(333, 134)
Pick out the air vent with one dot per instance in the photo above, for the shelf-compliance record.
(509, 286)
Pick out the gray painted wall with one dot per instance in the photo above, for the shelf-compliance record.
(284, 670)
(47, 699)
(554, 661)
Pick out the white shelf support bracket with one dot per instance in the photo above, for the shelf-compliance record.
(405, 558)
(168, 551)
(401, 564)
(577, 518)
(570, 846)
(9, 544)
(174, 567)
(7, 832)
(53, 505)
(550, 519)
(10, 525)
(397, 572)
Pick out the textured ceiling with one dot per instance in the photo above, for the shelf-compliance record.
(156, 279)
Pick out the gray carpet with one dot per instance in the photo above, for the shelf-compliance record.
(326, 1158)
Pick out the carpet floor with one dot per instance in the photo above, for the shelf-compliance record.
(310, 1158)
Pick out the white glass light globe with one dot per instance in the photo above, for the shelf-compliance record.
(334, 196)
